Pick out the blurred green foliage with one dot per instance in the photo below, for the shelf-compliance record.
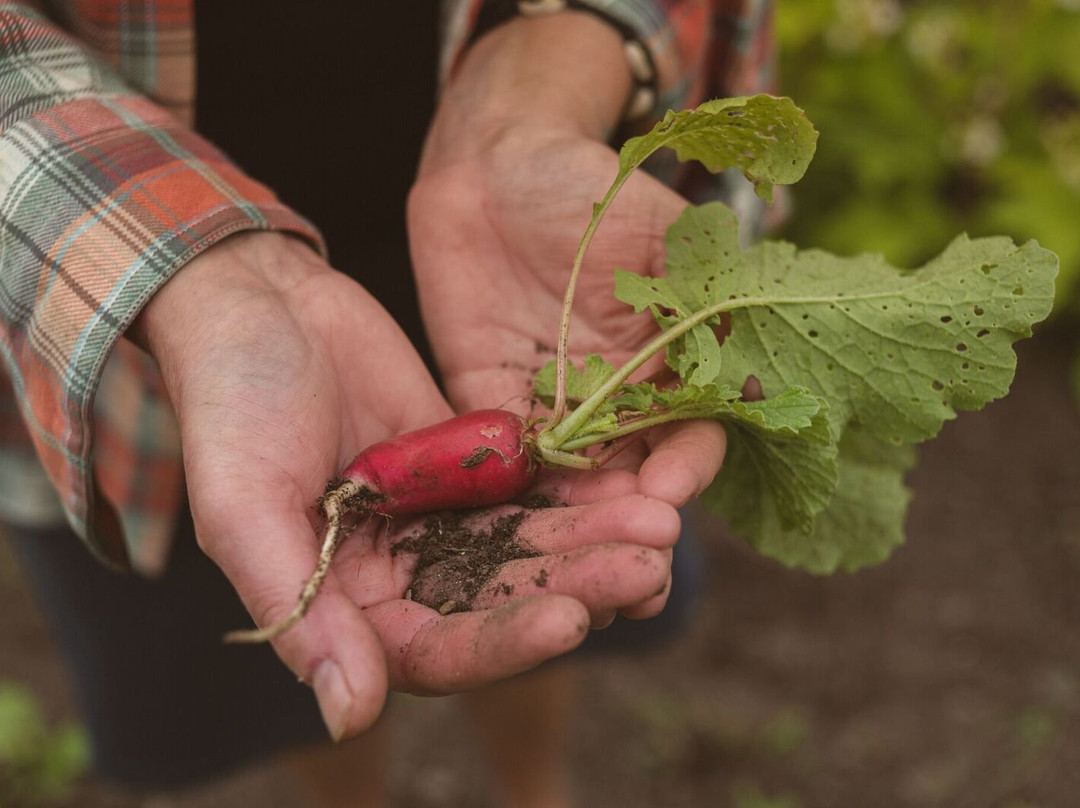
(936, 117)
(750, 795)
(38, 764)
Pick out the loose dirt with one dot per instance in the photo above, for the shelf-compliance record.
(455, 561)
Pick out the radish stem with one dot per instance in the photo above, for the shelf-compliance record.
(557, 437)
(599, 209)
(559, 458)
(627, 429)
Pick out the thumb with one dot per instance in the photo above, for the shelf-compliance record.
(267, 557)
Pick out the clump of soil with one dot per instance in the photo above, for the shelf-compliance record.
(455, 560)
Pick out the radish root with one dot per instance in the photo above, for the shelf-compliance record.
(335, 504)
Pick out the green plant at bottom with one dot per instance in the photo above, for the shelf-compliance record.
(38, 763)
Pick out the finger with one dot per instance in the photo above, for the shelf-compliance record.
(268, 556)
(431, 654)
(566, 487)
(683, 462)
(508, 532)
(649, 608)
(603, 619)
(634, 519)
(751, 390)
(631, 456)
(601, 577)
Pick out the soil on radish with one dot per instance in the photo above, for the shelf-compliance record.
(455, 561)
(362, 501)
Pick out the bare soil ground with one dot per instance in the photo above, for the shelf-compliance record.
(950, 676)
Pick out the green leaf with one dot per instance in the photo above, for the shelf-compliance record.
(580, 382)
(861, 525)
(796, 411)
(792, 411)
(780, 447)
(702, 252)
(37, 763)
(695, 402)
(892, 353)
(896, 351)
(768, 138)
(775, 480)
(881, 356)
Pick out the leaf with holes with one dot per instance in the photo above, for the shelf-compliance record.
(768, 138)
(894, 353)
(861, 523)
(857, 360)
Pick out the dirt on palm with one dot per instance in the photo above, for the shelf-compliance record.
(454, 560)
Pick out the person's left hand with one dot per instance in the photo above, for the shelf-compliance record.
(279, 369)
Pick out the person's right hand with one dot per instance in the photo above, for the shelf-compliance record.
(280, 369)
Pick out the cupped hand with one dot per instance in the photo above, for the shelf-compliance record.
(280, 369)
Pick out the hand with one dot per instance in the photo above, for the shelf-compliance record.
(511, 168)
(280, 369)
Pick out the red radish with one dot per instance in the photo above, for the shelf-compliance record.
(480, 458)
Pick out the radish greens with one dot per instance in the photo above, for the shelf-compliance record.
(857, 360)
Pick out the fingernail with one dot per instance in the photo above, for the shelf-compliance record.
(604, 620)
(335, 698)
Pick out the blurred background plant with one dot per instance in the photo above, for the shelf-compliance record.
(938, 117)
(39, 764)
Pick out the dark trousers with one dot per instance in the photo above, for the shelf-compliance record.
(165, 701)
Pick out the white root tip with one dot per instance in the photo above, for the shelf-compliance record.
(333, 507)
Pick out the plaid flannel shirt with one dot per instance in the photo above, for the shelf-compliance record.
(105, 192)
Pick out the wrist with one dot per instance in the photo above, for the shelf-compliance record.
(565, 74)
(214, 289)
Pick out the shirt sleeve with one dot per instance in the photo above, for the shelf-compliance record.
(104, 195)
(693, 49)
